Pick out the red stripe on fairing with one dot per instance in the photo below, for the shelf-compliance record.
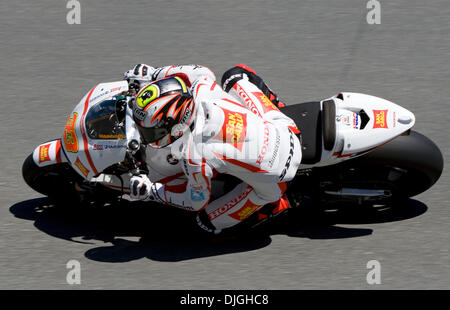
(240, 163)
(213, 85)
(58, 151)
(83, 133)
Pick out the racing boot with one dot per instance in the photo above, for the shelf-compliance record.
(270, 211)
(233, 75)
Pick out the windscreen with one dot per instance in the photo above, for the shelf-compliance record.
(102, 121)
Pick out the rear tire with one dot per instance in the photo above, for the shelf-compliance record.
(417, 162)
(402, 168)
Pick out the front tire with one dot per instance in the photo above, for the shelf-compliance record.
(56, 181)
(61, 183)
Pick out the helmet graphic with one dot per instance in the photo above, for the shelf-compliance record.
(163, 111)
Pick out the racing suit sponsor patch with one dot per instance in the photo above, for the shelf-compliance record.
(244, 212)
(267, 105)
(248, 101)
(264, 147)
(234, 129)
(197, 195)
(229, 205)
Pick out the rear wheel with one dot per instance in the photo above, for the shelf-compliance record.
(402, 168)
(411, 164)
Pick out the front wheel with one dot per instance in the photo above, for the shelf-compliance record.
(64, 185)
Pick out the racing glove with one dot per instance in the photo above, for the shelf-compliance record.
(141, 188)
(140, 73)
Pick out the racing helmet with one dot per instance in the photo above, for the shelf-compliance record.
(163, 110)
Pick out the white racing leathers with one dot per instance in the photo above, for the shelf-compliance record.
(242, 134)
(163, 166)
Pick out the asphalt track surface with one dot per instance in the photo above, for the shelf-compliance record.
(305, 50)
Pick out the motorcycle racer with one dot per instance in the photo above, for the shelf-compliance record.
(236, 130)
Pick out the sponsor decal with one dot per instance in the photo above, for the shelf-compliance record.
(118, 136)
(267, 105)
(234, 129)
(244, 212)
(380, 118)
(275, 150)
(186, 116)
(346, 120)
(394, 119)
(115, 146)
(248, 101)
(70, 135)
(229, 205)
(197, 195)
(138, 114)
(355, 121)
(288, 161)
(101, 147)
(115, 89)
(84, 171)
(98, 96)
(265, 146)
(43, 153)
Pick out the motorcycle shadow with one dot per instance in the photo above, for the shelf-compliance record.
(138, 230)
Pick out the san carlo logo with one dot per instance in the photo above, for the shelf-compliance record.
(234, 129)
(44, 153)
(380, 119)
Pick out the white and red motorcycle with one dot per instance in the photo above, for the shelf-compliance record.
(356, 149)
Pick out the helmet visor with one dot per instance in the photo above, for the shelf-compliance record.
(152, 135)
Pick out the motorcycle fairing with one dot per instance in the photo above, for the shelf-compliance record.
(49, 153)
(363, 123)
(87, 155)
